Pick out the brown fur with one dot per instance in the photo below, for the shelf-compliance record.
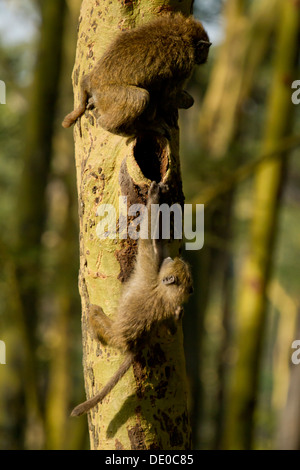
(152, 298)
(137, 85)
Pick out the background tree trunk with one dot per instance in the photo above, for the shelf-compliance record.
(32, 202)
(251, 302)
(231, 82)
(148, 408)
(61, 266)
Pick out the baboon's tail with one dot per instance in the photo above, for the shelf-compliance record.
(87, 405)
(74, 115)
(71, 117)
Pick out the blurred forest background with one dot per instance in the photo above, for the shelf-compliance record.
(239, 149)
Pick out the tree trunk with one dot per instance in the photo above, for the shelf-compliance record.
(32, 199)
(59, 291)
(230, 84)
(235, 70)
(148, 407)
(251, 303)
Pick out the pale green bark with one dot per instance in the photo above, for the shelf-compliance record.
(148, 408)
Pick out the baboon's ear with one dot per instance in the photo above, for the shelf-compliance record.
(169, 280)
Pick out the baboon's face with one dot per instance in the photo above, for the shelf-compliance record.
(175, 277)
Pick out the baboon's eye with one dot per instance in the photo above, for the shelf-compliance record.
(203, 44)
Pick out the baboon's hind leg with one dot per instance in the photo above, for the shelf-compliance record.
(101, 324)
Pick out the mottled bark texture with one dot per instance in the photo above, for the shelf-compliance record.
(148, 407)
